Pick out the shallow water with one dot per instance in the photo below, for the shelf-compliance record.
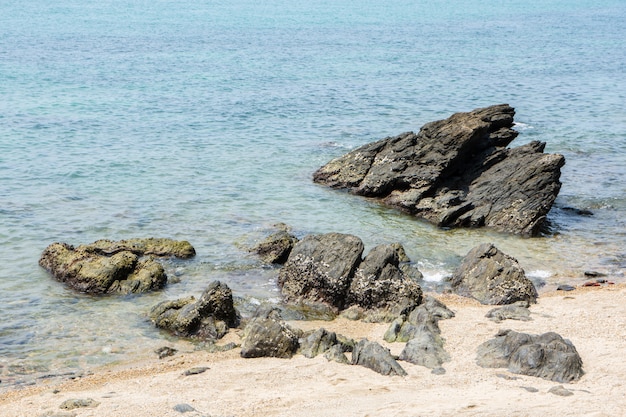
(204, 121)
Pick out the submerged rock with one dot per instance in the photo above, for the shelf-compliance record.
(127, 266)
(456, 172)
(547, 356)
(492, 277)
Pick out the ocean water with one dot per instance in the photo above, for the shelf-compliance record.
(204, 120)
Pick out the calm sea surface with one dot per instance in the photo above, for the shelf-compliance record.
(204, 120)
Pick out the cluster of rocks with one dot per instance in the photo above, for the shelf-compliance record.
(456, 172)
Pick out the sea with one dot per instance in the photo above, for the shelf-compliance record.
(203, 120)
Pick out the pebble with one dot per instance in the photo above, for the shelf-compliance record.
(195, 371)
(530, 389)
(183, 408)
(565, 287)
(79, 403)
(560, 390)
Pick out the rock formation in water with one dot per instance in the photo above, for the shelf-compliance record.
(456, 172)
(126, 266)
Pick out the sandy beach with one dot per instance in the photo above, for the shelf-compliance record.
(592, 318)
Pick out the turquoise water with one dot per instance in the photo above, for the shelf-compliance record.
(204, 120)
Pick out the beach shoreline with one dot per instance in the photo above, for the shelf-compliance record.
(591, 317)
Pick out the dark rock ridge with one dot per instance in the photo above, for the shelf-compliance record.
(547, 356)
(328, 269)
(492, 277)
(127, 266)
(208, 318)
(456, 172)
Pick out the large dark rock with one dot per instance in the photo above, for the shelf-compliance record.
(377, 358)
(207, 318)
(380, 283)
(492, 277)
(547, 356)
(456, 172)
(267, 335)
(127, 266)
(329, 269)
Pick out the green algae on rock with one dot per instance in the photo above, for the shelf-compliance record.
(123, 267)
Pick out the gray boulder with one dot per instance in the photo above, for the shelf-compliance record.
(127, 266)
(456, 172)
(267, 335)
(547, 356)
(208, 318)
(492, 277)
(377, 358)
(425, 348)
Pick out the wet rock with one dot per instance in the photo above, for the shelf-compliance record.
(509, 312)
(79, 403)
(377, 358)
(127, 266)
(456, 172)
(207, 318)
(565, 287)
(492, 277)
(267, 335)
(275, 249)
(547, 356)
(329, 269)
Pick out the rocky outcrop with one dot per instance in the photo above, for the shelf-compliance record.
(456, 172)
(208, 318)
(329, 269)
(127, 266)
(492, 277)
(547, 356)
